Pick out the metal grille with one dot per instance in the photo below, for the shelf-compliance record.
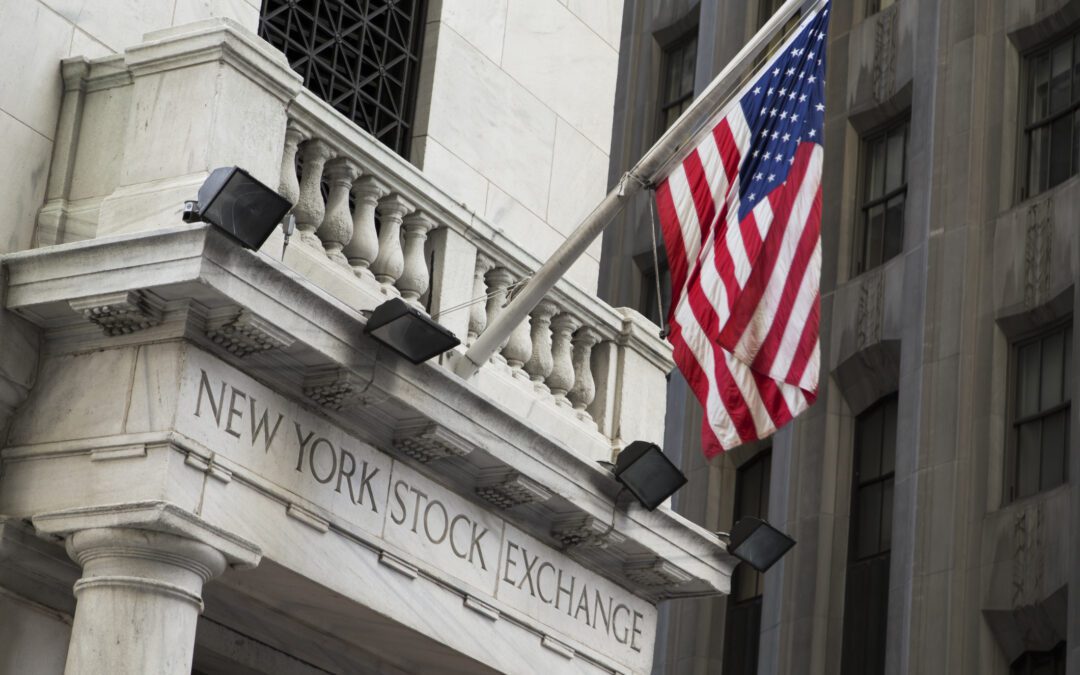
(360, 56)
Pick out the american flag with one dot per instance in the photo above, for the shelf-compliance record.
(741, 218)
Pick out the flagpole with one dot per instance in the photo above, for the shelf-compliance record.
(678, 136)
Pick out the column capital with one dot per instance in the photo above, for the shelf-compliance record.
(153, 516)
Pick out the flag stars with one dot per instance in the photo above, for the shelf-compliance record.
(772, 177)
(794, 118)
(758, 176)
(802, 99)
(820, 107)
(811, 79)
(766, 156)
(787, 137)
(783, 115)
(757, 91)
(813, 132)
(776, 72)
(790, 71)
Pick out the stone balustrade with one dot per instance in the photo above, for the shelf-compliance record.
(377, 217)
(370, 225)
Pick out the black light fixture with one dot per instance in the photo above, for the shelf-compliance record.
(233, 201)
(758, 543)
(647, 472)
(408, 331)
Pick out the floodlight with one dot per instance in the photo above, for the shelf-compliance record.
(233, 201)
(647, 472)
(408, 331)
(758, 543)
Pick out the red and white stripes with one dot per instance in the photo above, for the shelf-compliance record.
(744, 315)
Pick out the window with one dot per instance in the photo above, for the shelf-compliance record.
(875, 6)
(1052, 101)
(1040, 663)
(880, 231)
(743, 625)
(867, 592)
(651, 306)
(677, 79)
(1042, 375)
(360, 56)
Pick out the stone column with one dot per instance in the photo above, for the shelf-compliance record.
(363, 248)
(310, 207)
(414, 280)
(336, 230)
(390, 262)
(140, 596)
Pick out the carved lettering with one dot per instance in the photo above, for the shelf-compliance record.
(303, 441)
(540, 581)
(263, 426)
(636, 631)
(215, 408)
(234, 412)
(453, 540)
(365, 485)
(620, 637)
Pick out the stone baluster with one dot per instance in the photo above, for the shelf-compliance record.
(561, 379)
(415, 279)
(363, 248)
(478, 311)
(518, 350)
(390, 262)
(289, 187)
(337, 225)
(498, 281)
(540, 361)
(584, 389)
(310, 208)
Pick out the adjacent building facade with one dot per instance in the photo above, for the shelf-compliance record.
(205, 464)
(932, 488)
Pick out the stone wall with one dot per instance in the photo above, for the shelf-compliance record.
(515, 113)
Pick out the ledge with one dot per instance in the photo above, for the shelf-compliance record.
(196, 272)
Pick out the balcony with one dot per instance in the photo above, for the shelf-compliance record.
(370, 225)
(114, 269)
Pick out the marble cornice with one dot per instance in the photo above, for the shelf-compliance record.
(194, 274)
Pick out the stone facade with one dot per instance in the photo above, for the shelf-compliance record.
(206, 465)
(975, 578)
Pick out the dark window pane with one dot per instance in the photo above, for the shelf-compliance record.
(894, 165)
(893, 243)
(868, 445)
(1067, 373)
(868, 520)
(1039, 155)
(1060, 150)
(1053, 361)
(875, 235)
(1054, 441)
(876, 182)
(1028, 459)
(1060, 80)
(888, 437)
(1040, 84)
(886, 514)
(1027, 390)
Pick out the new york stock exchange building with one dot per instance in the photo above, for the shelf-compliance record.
(206, 464)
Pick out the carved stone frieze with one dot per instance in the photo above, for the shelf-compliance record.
(428, 441)
(1029, 556)
(1038, 243)
(506, 489)
(586, 532)
(246, 333)
(885, 55)
(656, 573)
(120, 313)
(870, 310)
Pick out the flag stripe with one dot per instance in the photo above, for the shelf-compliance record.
(741, 217)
